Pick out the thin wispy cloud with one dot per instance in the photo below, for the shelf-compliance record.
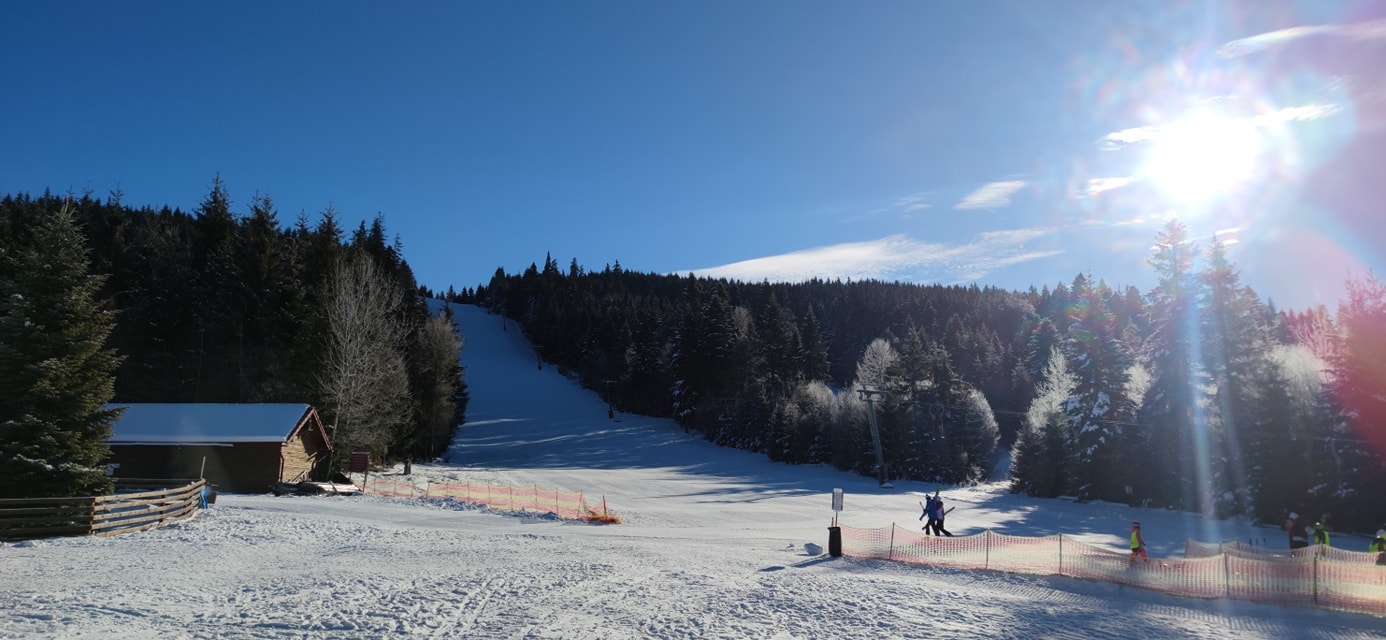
(992, 195)
(1263, 41)
(910, 204)
(905, 207)
(1295, 114)
(1229, 236)
(1118, 140)
(1371, 31)
(896, 257)
(1097, 186)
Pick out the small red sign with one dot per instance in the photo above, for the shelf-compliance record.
(360, 462)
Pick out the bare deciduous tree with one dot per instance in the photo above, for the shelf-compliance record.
(364, 378)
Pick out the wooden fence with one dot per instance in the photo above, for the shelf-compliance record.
(136, 505)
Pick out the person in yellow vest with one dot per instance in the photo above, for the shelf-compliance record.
(1378, 546)
(1137, 543)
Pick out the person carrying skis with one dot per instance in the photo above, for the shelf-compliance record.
(932, 513)
(1137, 543)
(940, 513)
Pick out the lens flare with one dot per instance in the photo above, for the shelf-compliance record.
(1203, 156)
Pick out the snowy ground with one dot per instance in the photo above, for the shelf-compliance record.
(712, 547)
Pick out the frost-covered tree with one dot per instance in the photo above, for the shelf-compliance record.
(878, 374)
(1099, 413)
(1039, 457)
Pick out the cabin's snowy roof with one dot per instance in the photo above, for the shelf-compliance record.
(205, 423)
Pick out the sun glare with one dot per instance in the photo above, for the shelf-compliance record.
(1203, 156)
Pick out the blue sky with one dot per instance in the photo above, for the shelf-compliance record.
(1007, 143)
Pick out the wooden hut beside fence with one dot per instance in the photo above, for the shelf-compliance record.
(243, 448)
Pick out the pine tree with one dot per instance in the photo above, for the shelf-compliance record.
(1099, 413)
(1359, 375)
(218, 305)
(56, 372)
(1175, 434)
(779, 346)
(813, 351)
(1248, 397)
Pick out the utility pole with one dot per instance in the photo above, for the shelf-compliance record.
(610, 409)
(866, 396)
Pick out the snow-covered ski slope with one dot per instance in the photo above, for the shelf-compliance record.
(712, 547)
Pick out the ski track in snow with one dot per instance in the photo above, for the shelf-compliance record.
(711, 547)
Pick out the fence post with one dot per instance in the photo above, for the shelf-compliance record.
(1061, 554)
(1316, 578)
(986, 558)
(91, 517)
(1226, 575)
(891, 554)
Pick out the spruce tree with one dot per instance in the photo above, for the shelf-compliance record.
(56, 371)
(813, 352)
(1354, 461)
(1173, 431)
(1099, 414)
(1248, 399)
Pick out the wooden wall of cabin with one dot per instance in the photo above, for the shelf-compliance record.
(306, 455)
(248, 467)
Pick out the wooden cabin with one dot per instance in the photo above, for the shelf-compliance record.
(242, 448)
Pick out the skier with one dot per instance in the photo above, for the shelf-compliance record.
(1137, 543)
(1320, 534)
(940, 513)
(932, 512)
(1378, 546)
(1294, 530)
(928, 513)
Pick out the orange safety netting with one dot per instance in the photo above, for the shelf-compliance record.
(1336, 581)
(532, 499)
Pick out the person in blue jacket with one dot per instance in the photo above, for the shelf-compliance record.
(930, 512)
(939, 514)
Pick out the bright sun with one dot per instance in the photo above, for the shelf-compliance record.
(1202, 156)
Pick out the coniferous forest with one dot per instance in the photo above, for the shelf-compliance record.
(1195, 395)
(103, 302)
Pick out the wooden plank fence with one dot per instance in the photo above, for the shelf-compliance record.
(136, 505)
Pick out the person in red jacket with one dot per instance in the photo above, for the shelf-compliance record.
(1295, 530)
(1137, 543)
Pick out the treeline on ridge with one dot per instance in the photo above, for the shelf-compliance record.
(1195, 395)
